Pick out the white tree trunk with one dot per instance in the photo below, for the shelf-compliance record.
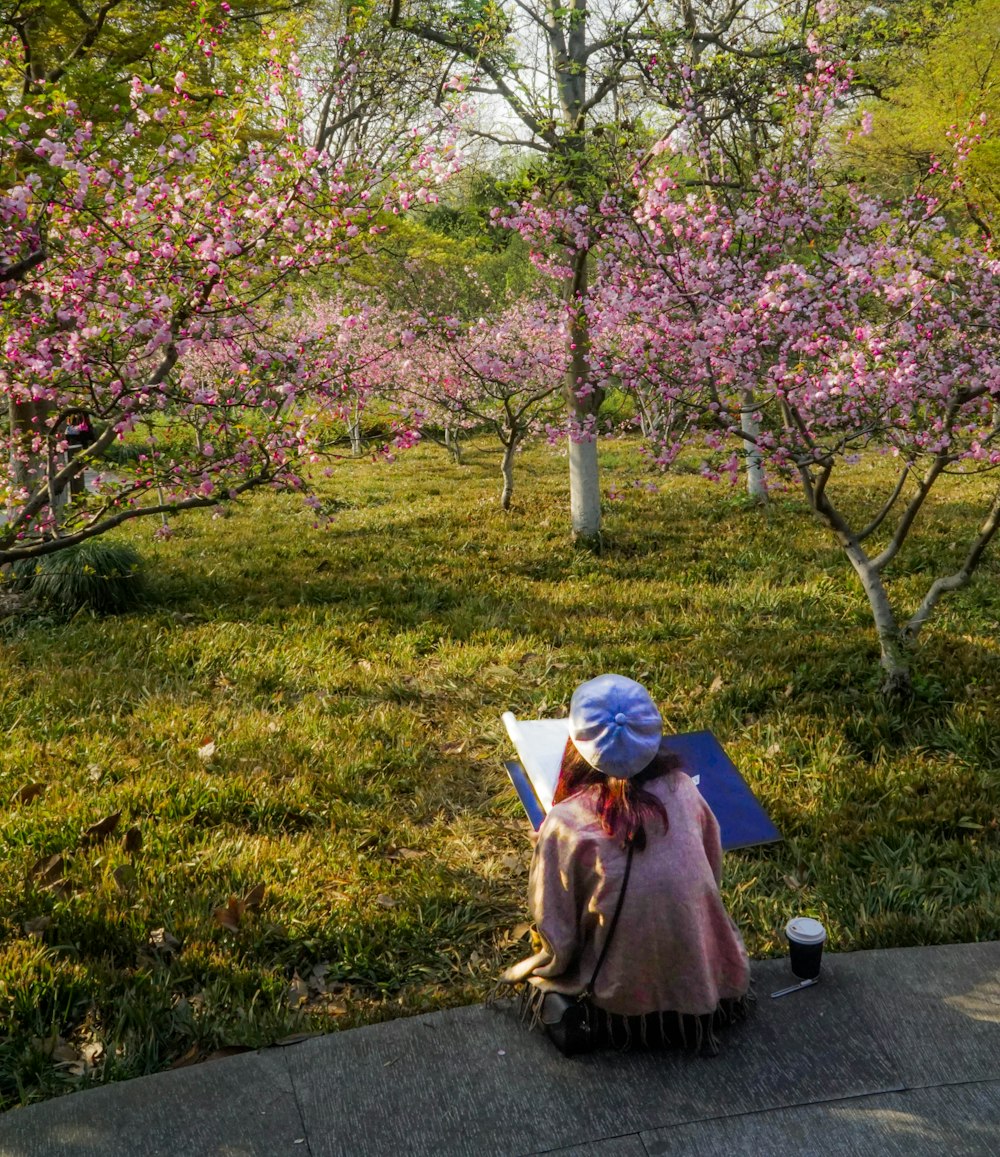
(451, 441)
(584, 491)
(354, 429)
(756, 486)
(894, 658)
(584, 481)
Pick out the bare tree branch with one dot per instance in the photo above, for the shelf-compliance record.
(36, 550)
(881, 561)
(85, 44)
(20, 269)
(879, 518)
(954, 582)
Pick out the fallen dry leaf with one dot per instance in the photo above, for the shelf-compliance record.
(29, 793)
(385, 901)
(254, 898)
(716, 686)
(231, 914)
(132, 841)
(792, 882)
(188, 1058)
(317, 984)
(163, 941)
(510, 862)
(206, 751)
(99, 832)
(454, 748)
(64, 1054)
(774, 749)
(298, 991)
(519, 931)
(47, 871)
(87, 1057)
(317, 987)
(37, 925)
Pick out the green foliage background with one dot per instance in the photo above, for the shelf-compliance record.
(938, 81)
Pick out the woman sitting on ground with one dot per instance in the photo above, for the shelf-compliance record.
(675, 967)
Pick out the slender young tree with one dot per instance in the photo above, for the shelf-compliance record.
(500, 373)
(557, 71)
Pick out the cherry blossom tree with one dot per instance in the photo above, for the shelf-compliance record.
(145, 268)
(816, 325)
(503, 372)
(576, 87)
(365, 337)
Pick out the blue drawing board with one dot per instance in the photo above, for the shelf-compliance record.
(742, 821)
(539, 743)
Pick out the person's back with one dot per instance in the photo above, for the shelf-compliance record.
(674, 947)
(674, 951)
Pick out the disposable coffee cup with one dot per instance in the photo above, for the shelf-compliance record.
(806, 938)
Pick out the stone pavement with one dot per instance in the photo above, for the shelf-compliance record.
(895, 1052)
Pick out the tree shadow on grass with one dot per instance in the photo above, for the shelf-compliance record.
(757, 652)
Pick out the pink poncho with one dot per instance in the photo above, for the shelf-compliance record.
(675, 949)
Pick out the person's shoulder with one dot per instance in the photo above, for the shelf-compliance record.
(676, 788)
(673, 779)
(575, 814)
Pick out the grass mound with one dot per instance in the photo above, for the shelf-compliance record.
(99, 575)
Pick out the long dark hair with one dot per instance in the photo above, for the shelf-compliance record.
(623, 806)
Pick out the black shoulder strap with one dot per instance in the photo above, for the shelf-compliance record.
(588, 991)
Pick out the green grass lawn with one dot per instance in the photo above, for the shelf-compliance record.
(351, 681)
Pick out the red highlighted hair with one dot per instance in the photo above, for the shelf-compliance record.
(623, 806)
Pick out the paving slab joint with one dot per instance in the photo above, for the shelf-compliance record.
(306, 1147)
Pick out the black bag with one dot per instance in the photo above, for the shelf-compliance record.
(570, 1022)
